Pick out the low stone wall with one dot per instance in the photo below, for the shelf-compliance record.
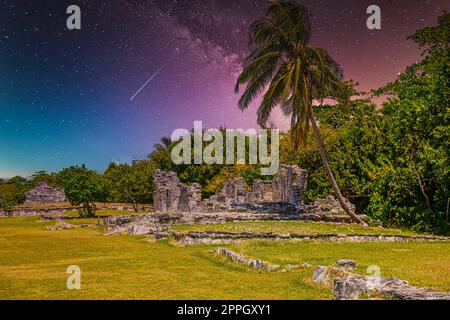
(212, 237)
(34, 212)
(346, 285)
(56, 211)
(252, 263)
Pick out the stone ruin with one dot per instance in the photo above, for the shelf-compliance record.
(43, 193)
(286, 192)
(171, 195)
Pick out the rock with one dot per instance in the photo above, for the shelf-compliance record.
(161, 235)
(346, 285)
(290, 267)
(61, 225)
(272, 267)
(138, 230)
(306, 265)
(115, 230)
(347, 264)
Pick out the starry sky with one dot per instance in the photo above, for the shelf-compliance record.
(65, 94)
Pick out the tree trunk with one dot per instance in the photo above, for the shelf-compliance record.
(420, 181)
(330, 174)
(134, 203)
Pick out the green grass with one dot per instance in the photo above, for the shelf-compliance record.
(300, 227)
(33, 262)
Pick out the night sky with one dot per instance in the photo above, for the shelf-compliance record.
(65, 95)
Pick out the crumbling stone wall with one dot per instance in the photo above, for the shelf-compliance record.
(172, 195)
(235, 191)
(43, 193)
(190, 197)
(262, 191)
(289, 187)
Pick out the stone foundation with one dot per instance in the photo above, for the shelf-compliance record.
(54, 212)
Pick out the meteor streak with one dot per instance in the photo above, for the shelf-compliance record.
(149, 79)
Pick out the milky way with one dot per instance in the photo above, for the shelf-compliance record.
(65, 95)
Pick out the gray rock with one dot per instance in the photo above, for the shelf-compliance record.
(61, 225)
(347, 264)
(290, 267)
(346, 285)
(138, 230)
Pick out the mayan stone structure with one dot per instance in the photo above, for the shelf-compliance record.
(43, 193)
(290, 186)
(173, 196)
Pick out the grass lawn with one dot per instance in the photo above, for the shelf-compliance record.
(33, 262)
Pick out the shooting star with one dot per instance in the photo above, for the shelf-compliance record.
(150, 79)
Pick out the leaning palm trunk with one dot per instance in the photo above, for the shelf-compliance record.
(330, 174)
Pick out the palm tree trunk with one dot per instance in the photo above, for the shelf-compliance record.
(330, 174)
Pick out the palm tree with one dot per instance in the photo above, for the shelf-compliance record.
(159, 147)
(164, 145)
(291, 73)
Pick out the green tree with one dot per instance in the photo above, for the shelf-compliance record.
(18, 181)
(82, 187)
(130, 184)
(42, 176)
(10, 196)
(294, 72)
